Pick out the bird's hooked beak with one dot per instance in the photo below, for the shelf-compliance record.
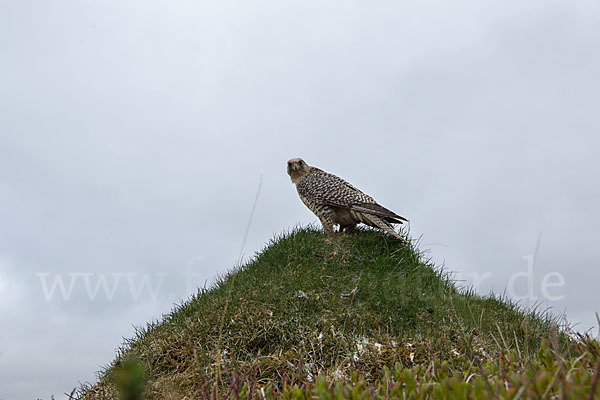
(293, 167)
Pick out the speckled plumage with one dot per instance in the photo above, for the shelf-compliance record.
(336, 202)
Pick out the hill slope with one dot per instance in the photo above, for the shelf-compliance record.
(342, 309)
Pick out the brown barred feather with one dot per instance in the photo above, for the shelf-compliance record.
(336, 202)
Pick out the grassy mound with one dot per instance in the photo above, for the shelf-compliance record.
(326, 317)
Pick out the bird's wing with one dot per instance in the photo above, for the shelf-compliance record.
(376, 209)
(329, 189)
(332, 190)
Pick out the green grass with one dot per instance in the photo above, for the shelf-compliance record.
(316, 316)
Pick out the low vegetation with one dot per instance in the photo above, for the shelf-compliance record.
(360, 316)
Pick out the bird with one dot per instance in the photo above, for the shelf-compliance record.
(336, 202)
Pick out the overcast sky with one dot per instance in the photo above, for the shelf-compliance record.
(134, 135)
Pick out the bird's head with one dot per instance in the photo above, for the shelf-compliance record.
(297, 168)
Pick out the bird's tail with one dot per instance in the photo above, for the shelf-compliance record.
(380, 211)
(377, 222)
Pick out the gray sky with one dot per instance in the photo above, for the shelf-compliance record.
(133, 136)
